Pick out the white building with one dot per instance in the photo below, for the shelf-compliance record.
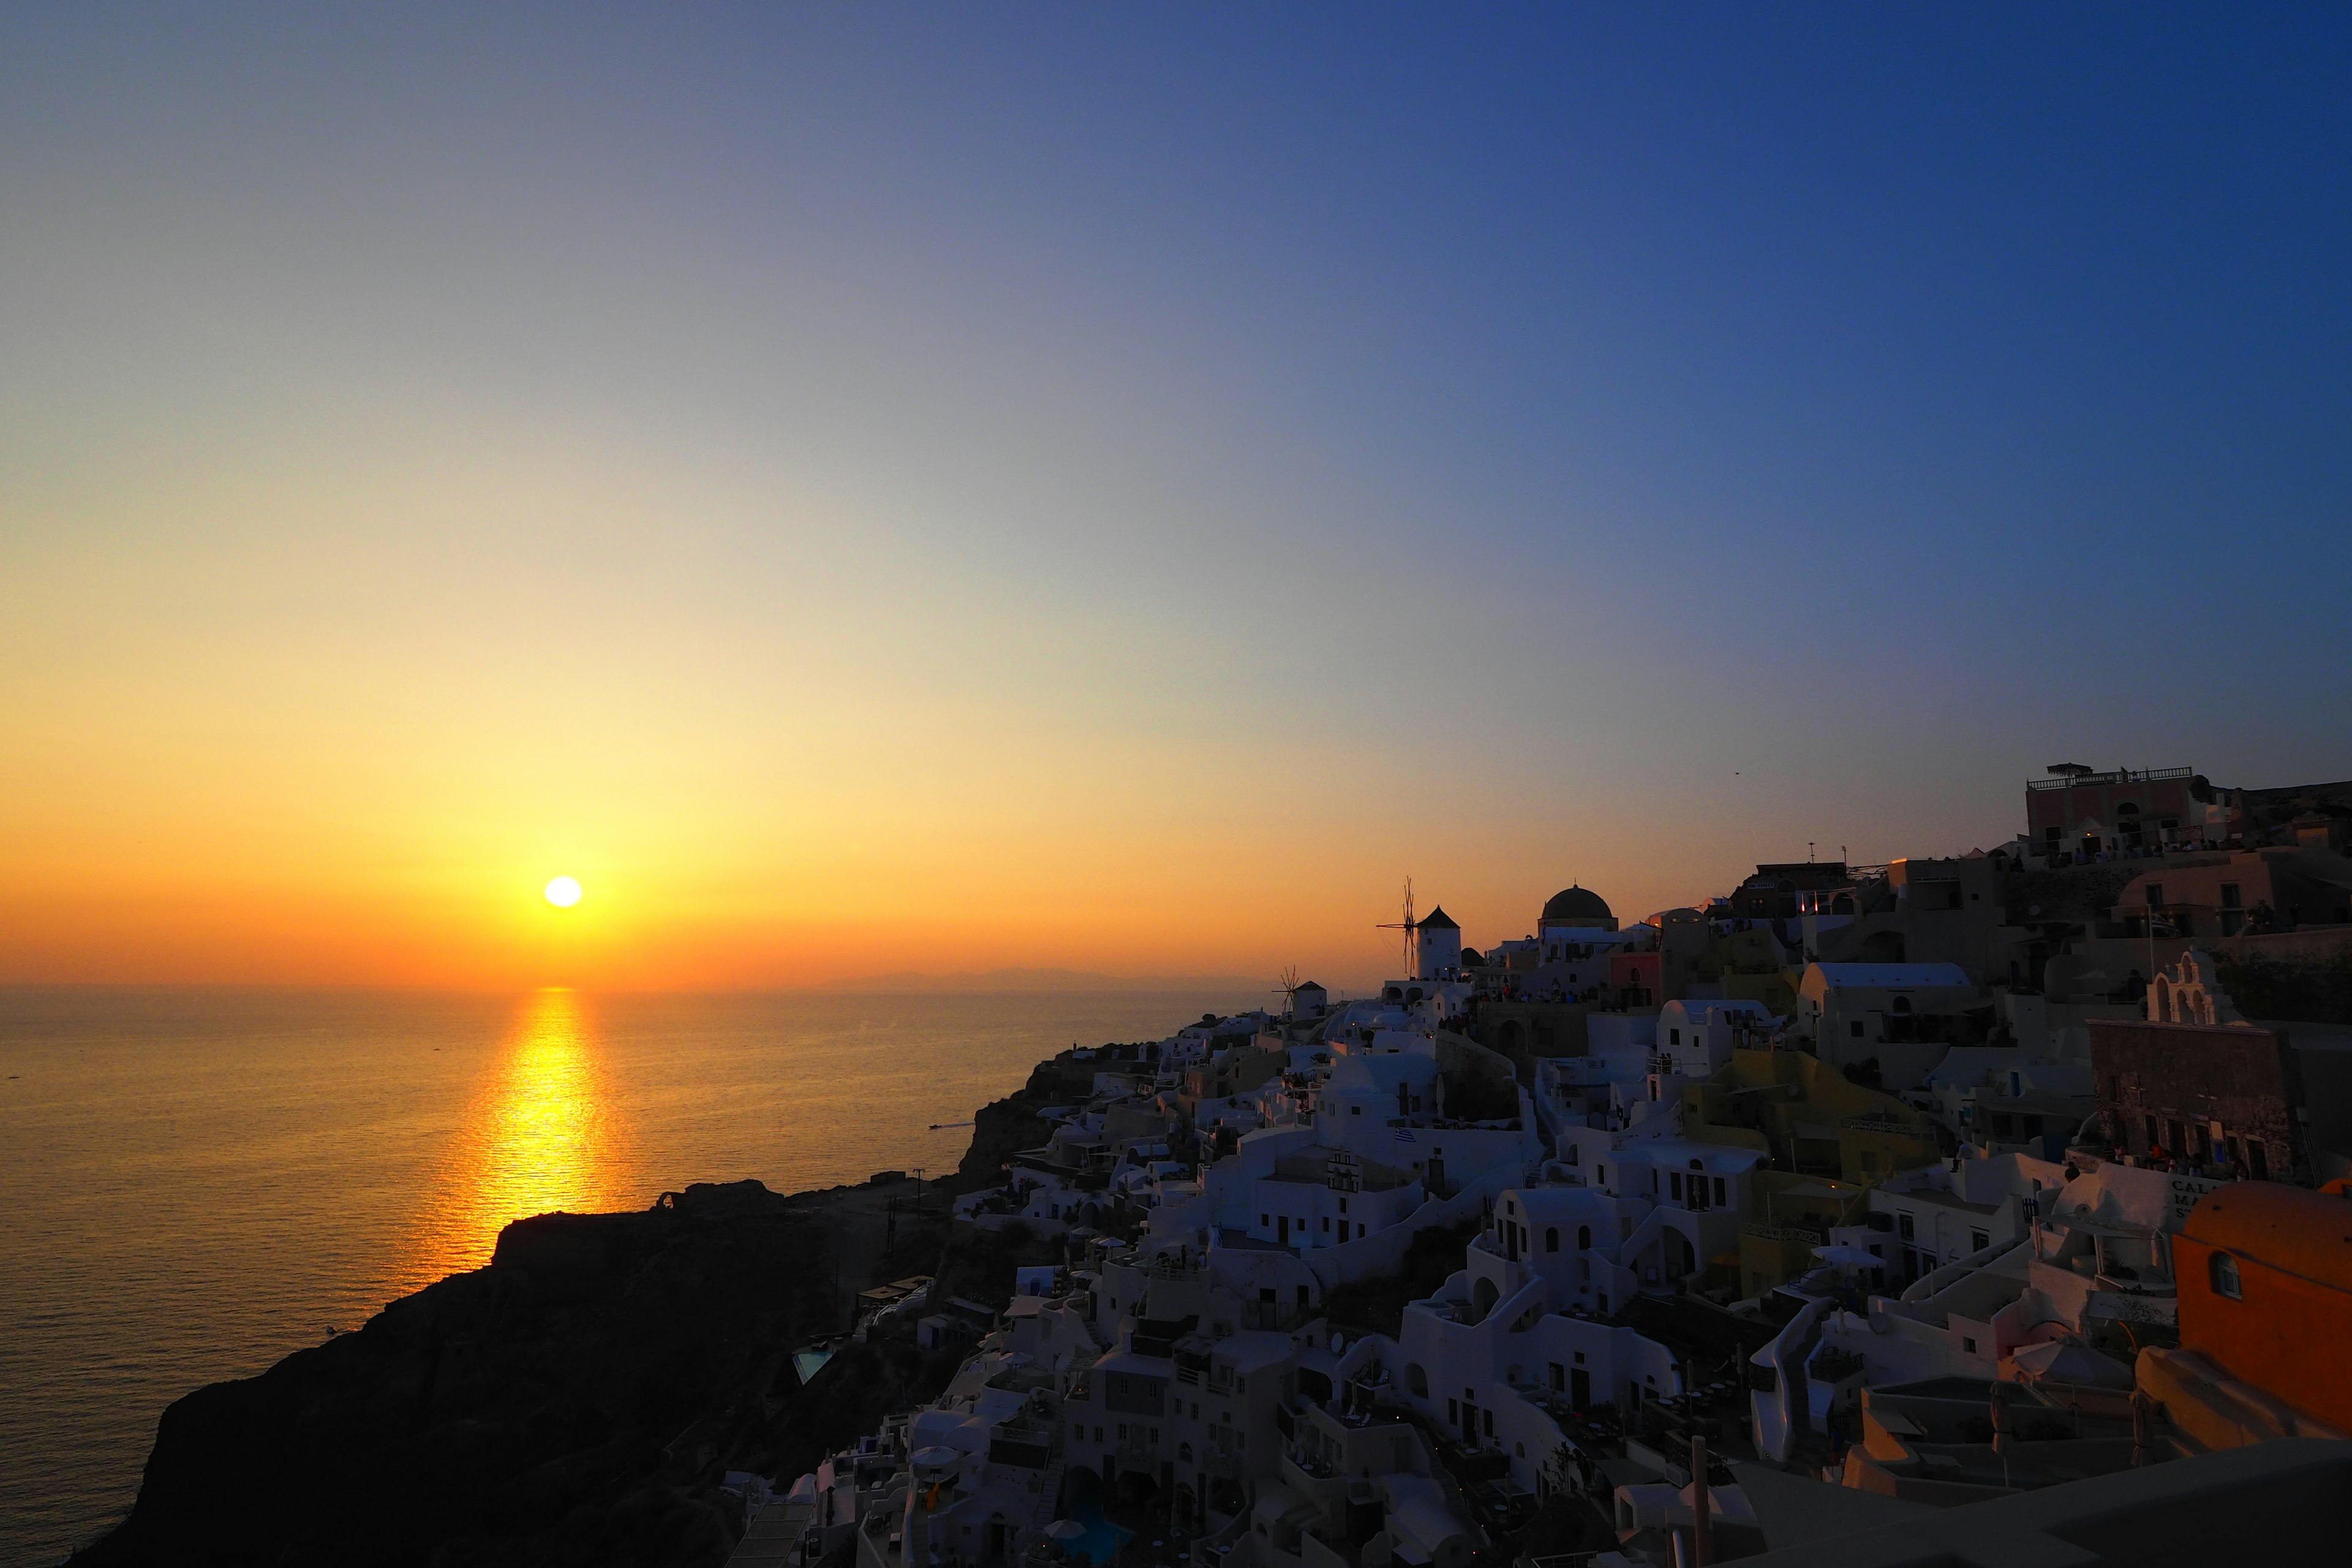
(1855, 1013)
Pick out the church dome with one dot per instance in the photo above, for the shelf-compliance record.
(1576, 906)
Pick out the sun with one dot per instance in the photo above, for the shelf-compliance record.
(564, 892)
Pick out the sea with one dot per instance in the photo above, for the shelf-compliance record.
(195, 1182)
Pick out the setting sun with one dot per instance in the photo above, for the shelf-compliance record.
(564, 892)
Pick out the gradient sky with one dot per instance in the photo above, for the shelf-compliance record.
(873, 489)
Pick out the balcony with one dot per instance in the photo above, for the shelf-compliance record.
(2119, 776)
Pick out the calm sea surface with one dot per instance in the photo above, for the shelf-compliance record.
(194, 1182)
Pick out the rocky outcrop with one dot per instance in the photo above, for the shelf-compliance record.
(1000, 1131)
(571, 1403)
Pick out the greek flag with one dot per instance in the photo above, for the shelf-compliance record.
(1404, 1134)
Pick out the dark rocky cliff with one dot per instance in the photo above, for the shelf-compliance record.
(568, 1404)
(577, 1401)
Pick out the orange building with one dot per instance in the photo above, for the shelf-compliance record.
(2265, 1282)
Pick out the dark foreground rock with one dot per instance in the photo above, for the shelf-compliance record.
(573, 1403)
(578, 1399)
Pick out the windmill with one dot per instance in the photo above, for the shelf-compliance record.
(1286, 986)
(1412, 934)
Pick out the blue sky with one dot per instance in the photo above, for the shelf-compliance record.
(1508, 446)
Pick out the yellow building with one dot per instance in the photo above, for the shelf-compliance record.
(1828, 1141)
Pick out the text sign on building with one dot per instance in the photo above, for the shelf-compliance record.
(2186, 1192)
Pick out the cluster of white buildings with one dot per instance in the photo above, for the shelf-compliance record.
(1940, 1229)
(1209, 1197)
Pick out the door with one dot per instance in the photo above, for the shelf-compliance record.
(1282, 1230)
(1469, 1425)
(1580, 1389)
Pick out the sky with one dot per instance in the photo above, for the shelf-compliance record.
(932, 488)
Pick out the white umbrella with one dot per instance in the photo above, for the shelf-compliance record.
(1065, 1529)
(1848, 1256)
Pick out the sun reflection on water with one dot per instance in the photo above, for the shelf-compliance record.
(542, 1136)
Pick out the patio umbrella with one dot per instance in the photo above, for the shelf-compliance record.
(1848, 1256)
(1065, 1529)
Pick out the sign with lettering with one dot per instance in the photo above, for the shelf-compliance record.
(2186, 1192)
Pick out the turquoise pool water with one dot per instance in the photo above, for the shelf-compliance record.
(1103, 1539)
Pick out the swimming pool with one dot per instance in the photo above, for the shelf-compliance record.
(1103, 1539)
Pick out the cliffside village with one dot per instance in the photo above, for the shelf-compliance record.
(1949, 1210)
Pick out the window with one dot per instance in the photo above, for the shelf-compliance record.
(1674, 1036)
(1719, 1199)
(1903, 1226)
(1359, 1230)
(1416, 1382)
(2155, 894)
(1559, 1378)
(1902, 1004)
(1584, 1239)
(1979, 1241)
(1551, 1238)
(1969, 1346)
(1327, 1224)
(1676, 1183)
(1856, 1026)
(1580, 1358)
(1266, 1222)
(1453, 1415)
(2223, 1268)
(2231, 899)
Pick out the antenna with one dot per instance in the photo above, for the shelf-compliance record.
(1411, 936)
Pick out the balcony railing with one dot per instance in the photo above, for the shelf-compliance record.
(2120, 775)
